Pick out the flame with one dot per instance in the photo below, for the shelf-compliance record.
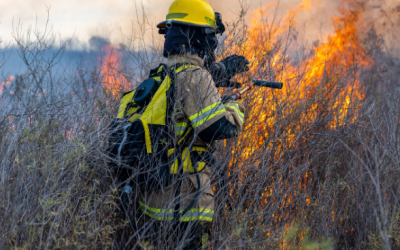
(5, 83)
(305, 83)
(340, 52)
(323, 86)
(112, 74)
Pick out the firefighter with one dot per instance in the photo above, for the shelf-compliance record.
(190, 32)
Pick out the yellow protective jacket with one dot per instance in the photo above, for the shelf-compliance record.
(197, 105)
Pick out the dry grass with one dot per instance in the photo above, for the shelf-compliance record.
(302, 182)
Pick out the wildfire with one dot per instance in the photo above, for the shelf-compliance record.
(5, 83)
(322, 88)
(112, 77)
(322, 77)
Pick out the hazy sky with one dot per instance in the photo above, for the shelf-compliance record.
(87, 18)
(103, 20)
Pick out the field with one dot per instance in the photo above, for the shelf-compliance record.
(316, 166)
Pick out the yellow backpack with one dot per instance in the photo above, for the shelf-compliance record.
(143, 131)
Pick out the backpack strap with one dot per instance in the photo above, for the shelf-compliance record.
(171, 72)
(161, 71)
(160, 75)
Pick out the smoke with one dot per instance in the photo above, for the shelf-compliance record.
(74, 18)
(386, 22)
(118, 19)
(314, 22)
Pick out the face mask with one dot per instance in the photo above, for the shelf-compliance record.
(184, 39)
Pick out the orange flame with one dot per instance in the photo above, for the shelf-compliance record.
(112, 74)
(325, 82)
(313, 79)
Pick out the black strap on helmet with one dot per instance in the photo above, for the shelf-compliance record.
(220, 27)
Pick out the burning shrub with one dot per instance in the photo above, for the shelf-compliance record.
(310, 153)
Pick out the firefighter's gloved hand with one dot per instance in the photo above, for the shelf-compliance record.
(234, 64)
(223, 71)
(226, 98)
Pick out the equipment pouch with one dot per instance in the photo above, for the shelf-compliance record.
(130, 157)
(145, 92)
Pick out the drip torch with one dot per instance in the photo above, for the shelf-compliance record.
(260, 83)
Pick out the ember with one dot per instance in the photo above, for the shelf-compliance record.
(5, 83)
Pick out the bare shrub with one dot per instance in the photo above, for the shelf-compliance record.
(55, 184)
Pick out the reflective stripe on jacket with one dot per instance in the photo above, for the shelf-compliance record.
(168, 214)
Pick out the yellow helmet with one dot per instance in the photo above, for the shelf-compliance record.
(197, 13)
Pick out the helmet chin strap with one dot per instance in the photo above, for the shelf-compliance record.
(209, 60)
(202, 46)
(206, 50)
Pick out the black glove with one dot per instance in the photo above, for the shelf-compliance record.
(223, 71)
(234, 64)
(233, 97)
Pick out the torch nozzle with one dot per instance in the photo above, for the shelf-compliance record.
(268, 84)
